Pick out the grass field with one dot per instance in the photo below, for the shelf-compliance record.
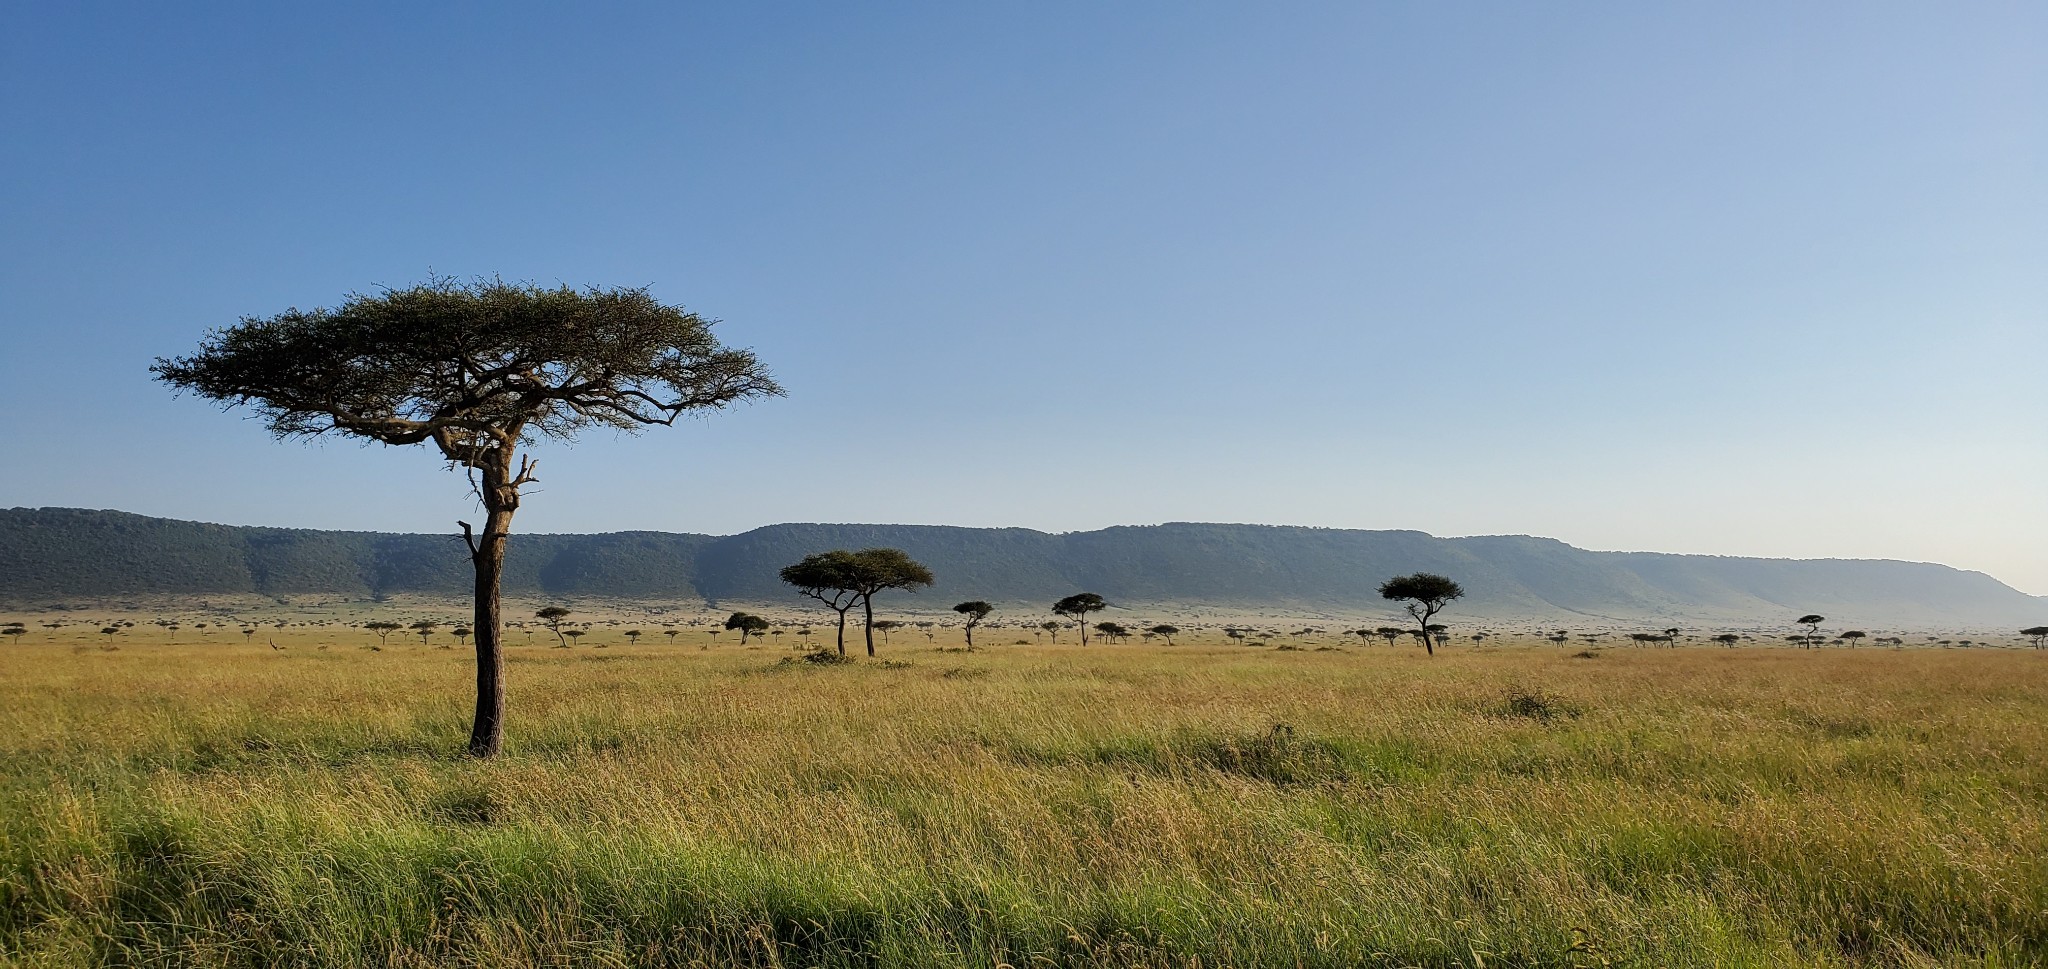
(1201, 805)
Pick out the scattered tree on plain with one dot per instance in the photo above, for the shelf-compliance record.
(1077, 607)
(1425, 594)
(2039, 635)
(1812, 623)
(832, 578)
(1165, 632)
(747, 624)
(975, 611)
(1052, 629)
(425, 628)
(553, 616)
(382, 629)
(478, 370)
(881, 569)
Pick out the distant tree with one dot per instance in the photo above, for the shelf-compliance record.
(461, 634)
(2039, 635)
(633, 637)
(974, 610)
(1728, 639)
(1388, 633)
(879, 570)
(553, 616)
(1812, 623)
(15, 629)
(1165, 631)
(478, 370)
(383, 629)
(425, 628)
(671, 632)
(110, 631)
(832, 578)
(1114, 632)
(747, 624)
(885, 626)
(1425, 595)
(1077, 607)
(1560, 637)
(1854, 637)
(1052, 629)
(575, 634)
(248, 634)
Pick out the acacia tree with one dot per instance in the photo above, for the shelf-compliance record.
(382, 629)
(1165, 631)
(1425, 594)
(748, 624)
(1052, 629)
(831, 578)
(881, 569)
(2038, 634)
(479, 370)
(553, 616)
(1812, 623)
(975, 610)
(1077, 607)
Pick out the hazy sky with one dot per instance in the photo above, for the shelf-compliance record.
(1764, 279)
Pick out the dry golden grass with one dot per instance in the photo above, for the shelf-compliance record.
(229, 804)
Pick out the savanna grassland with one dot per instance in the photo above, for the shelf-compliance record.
(227, 804)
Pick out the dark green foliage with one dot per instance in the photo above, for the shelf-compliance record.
(747, 624)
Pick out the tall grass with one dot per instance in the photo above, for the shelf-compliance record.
(1024, 806)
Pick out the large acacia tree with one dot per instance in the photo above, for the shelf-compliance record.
(478, 370)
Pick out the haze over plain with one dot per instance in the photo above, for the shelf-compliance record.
(1741, 281)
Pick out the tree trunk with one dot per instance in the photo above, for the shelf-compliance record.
(842, 632)
(970, 635)
(868, 609)
(500, 492)
(1084, 628)
(487, 731)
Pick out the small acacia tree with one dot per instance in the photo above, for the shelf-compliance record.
(1077, 607)
(1812, 623)
(975, 611)
(1165, 632)
(2038, 634)
(748, 624)
(478, 370)
(1425, 594)
(553, 616)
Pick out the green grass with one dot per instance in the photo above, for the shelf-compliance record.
(1128, 806)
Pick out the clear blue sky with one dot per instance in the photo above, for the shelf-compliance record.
(1756, 278)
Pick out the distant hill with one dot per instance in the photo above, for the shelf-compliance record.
(49, 554)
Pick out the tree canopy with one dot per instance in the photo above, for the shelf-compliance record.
(1425, 595)
(974, 610)
(1077, 607)
(841, 579)
(477, 369)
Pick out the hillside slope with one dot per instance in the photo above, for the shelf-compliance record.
(56, 553)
